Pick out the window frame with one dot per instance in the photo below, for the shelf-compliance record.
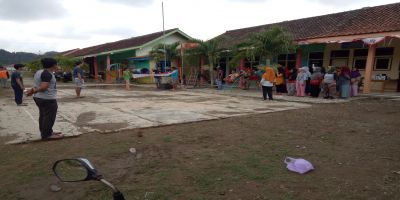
(321, 59)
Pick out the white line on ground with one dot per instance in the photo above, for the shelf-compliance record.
(68, 93)
(30, 115)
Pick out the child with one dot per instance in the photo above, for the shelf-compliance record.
(127, 77)
(18, 84)
(175, 78)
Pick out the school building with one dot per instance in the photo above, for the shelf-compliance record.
(106, 59)
(367, 38)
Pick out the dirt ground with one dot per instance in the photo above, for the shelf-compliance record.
(354, 147)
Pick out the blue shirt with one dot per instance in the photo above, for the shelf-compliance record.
(175, 74)
(77, 70)
(14, 76)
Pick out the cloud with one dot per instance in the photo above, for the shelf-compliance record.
(249, 1)
(337, 2)
(31, 10)
(130, 2)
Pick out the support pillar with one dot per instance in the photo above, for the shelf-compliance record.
(202, 61)
(298, 58)
(368, 68)
(227, 69)
(96, 69)
(242, 63)
(108, 63)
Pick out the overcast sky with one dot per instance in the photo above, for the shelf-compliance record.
(59, 25)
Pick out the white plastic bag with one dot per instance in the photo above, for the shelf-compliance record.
(298, 165)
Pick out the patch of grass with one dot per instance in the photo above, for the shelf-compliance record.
(252, 167)
(167, 139)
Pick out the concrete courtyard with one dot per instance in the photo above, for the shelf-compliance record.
(112, 110)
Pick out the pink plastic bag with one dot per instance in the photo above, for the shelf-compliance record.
(298, 165)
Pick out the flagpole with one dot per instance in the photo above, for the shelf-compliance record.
(163, 24)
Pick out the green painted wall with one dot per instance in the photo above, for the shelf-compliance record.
(306, 49)
(122, 56)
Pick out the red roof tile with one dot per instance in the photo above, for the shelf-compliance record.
(121, 44)
(385, 18)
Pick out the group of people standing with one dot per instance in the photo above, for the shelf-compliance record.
(311, 81)
(44, 92)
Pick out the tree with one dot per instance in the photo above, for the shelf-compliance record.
(243, 51)
(65, 63)
(171, 52)
(272, 42)
(211, 49)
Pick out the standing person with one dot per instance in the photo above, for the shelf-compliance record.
(301, 82)
(338, 71)
(291, 82)
(4, 76)
(127, 77)
(220, 77)
(308, 72)
(44, 94)
(280, 81)
(329, 83)
(344, 82)
(267, 82)
(355, 80)
(315, 82)
(157, 78)
(174, 77)
(77, 74)
(17, 84)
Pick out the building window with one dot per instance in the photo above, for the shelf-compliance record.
(360, 58)
(288, 60)
(339, 58)
(383, 59)
(316, 59)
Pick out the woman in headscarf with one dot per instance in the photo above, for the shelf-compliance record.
(267, 82)
(308, 71)
(344, 82)
(301, 82)
(291, 81)
(280, 81)
(315, 82)
(355, 79)
(329, 83)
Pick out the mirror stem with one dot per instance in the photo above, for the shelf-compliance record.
(109, 185)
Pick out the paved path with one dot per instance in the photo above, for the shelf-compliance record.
(111, 110)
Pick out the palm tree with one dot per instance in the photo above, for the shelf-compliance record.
(171, 52)
(211, 49)
(272, 42)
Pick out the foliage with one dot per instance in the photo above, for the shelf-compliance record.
(211, 49)
(65, 63)
(272, 42)
(240, 53)
(171, 52)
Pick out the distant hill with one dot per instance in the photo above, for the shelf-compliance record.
(20, 57)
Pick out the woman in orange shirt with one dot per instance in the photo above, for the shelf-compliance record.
(280, 81)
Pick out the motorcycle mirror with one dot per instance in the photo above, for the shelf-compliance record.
(75, 170)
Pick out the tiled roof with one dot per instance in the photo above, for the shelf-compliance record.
(121, 44)
(385, 18)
